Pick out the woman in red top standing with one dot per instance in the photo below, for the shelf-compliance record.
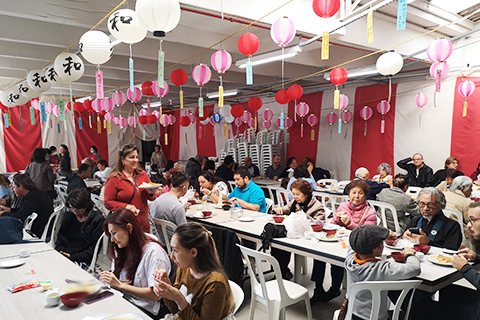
(122, 187)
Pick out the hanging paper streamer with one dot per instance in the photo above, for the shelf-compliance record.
(99, 83)
(331, 118)
(225, 130)
(99, 125)
(302, 110)
(166, 138)
(32, 116)
(402, 15)
(90, 121)
(200, 107)
(466, 89)
(109, 127)
(104, 124)
(220, 96)
(438, 71)
(383, 107)
(325, 45)
(143, 137)
(130, 70)
(5, 120)
(421, 100)
(249, 72)
(21, 122)
(186, 139)
(61, 107)
(336, 97)
(43, 112)
(312, 120)
(370, 26)
(58, 127)
(366, 113)
(80, 123)
(346, 117)
(282, 120)
(161, 65)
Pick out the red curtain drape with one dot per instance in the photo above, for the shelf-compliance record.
(375, 148)
(171, 149)
(205, 138)
(87, 137)
(299, 147)
(19, 144)
(465, 143)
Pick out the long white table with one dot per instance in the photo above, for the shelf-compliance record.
(31, 304)
(434, 277)
(88, 182)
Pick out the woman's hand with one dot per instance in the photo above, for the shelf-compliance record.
(159, 191)
(278, 210)
(132, 208)
(109, 278)
(65, 254)
(206, 191)
(345, 220)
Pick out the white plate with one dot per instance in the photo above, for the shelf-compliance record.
(126, 316)
(201, 216)
(10, 263)
(153, 186)
(321, 236)
(400, 245)
(432, 260)
(246, 219)
(330, 226)
(448, 251)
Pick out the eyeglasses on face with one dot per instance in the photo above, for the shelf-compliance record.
(472, 221)
(430, 205)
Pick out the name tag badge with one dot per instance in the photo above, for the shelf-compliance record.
(434, 232)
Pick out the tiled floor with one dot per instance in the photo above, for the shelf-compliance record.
(322, 311)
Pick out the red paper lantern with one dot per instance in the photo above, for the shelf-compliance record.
(338, 76)
(237, 110)
(184, 121)
(152, 119)
(295, 92)
(78, 106)
(87, 105)
(147, 88)
(326, 8)
(248, 44)
(103, 112)
(179, 77)
(143, 119)
(206, 113)
(282, 97)
(255, 103)
(68, 105)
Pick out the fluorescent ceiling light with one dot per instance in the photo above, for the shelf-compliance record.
(226, 93)
(454, 6)
(270, 57)
(152, 105)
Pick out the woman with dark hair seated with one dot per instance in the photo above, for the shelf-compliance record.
(136, 257)
(82, 225)
(201, 289)
(303, 200)
(41, 172)
(301, 172)
(291, 165)
(212, 186)
(450, 174)
(350, 215)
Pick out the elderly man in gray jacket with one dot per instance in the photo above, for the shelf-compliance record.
(406, 207)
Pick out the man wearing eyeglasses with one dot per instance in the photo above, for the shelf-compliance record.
(433, 227)
(419, 173)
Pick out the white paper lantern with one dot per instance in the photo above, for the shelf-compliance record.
(225, 110)
(229, 119)
(9, 97)
(37, 80)
(22, 99)
(54, 78)
(28, 92)
(389, 63)
(158, 16)
(124, 26)
(95, 47)
(69, 67)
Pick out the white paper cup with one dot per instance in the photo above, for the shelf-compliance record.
(52, 298)
(308, 235)
(25, 253)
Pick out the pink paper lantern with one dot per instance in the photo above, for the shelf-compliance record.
(421, 100)
(342, 101)
(108, 104)
(109, 116)
(156, 114)
(132, 121)
(266, 124)
(366, 113)
(221, 61)
(383, 107)
(160, 92)
(172, 119)
(238, 122)
(48, 107)
(346, 116)
(466, 88)
(56, 111)
(115, 120)
(119, 98)
(123, 122)
(164, 120)
(443, 67)
(201, 74)
(251, 123)
(331, 118)
(143, 112)
(287, 123)
(283, 31)
(36, 104)
(302, 109)
(134, 96)
(439, 50)
(192, 118)
(267, 115)
(246, 116)
(97, 105)
(312, 120)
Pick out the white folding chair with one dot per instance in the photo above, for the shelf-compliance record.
(274, 294)
(381, 209)
(324, 198)
(448, 211)
(29, 221)
(269, 204)
(54, 218)
(378, 299)
(238, 295)
(342, 184)
(332, 183)
(232, 184)
(91, 268)
(283, 196)
(164, 224)
(99, 204)
(413, 192)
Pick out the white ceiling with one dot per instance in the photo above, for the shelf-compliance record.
(33, 32)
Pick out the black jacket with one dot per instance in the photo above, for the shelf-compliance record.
(319, 173)
(425, 173)
(34, 201)
(90, 230)
(75, 182)
(439, 176)
(449, 236)
(193, 169)
(224, 172)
